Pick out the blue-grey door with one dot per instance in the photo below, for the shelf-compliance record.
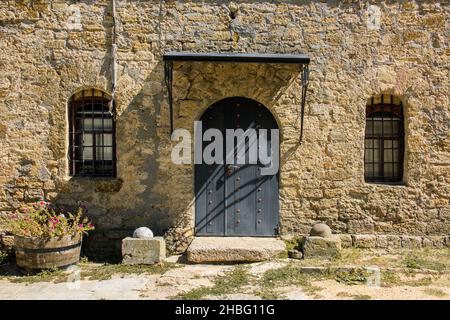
(236, 200)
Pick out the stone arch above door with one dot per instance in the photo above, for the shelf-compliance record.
(199, 85)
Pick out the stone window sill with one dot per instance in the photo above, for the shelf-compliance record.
(387, 184)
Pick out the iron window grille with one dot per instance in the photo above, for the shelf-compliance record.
(384, 141)
(92, 145)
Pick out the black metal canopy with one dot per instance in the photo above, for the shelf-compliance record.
(237, 57)
(300, 59)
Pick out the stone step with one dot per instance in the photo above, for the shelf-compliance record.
(234, 249)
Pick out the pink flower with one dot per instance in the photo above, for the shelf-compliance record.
(91, 225)
(80, 226)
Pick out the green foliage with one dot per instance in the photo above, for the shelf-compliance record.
(348, 255)
(422, 282)
(288, 275)
(267, 294)
(44, 220)
(435, 292)
(3, 257)
(293, 243)
(49, 275)
(230, 282)
(352, 277)
(106, 271)
(391, 279)
(90, 271)
(423, 260)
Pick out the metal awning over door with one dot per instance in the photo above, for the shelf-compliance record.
(300, 59)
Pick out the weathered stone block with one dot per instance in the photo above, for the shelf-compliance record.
(364, 240)
(318, 247)
(346, 240)
(388, 241)
(434, 242)
(32, 195)
(438, 241)
(411, 242)
(143, 251)
(233, 249)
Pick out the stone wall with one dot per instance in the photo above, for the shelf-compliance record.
(48, 52)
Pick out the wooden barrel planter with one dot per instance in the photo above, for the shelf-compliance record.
(38, 253)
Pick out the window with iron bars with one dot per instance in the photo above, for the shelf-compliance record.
(92, 145)
(384, 140)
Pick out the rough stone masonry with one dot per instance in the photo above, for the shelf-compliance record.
(51, 49)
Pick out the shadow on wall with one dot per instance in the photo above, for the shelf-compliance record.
(149, 189)
(119, 205)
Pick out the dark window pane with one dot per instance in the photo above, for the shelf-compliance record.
(368, 156)
(368, 168)
(87, 153)
(388, 170)
(388, 155)
(87, 139)
(104, 153)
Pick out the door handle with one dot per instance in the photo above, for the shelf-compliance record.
(231, 168)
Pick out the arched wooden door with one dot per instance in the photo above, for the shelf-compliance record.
(236, 200)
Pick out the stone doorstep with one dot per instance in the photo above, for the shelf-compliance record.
(234, 249)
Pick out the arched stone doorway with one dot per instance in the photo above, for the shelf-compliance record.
(237, 200)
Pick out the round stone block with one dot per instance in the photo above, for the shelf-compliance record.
(320, 230)
(143, 233)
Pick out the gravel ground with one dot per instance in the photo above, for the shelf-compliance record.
(264, 280)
